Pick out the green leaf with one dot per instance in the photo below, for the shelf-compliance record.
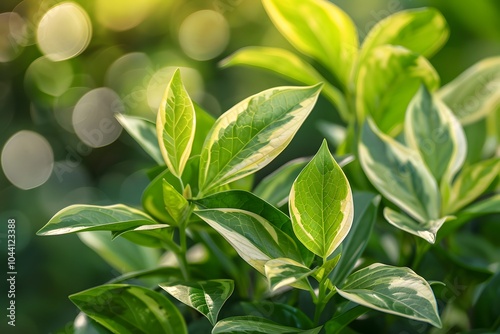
(288, 65)
(476, 134)
(471, 183)
(387, 81)
(347, 314)
(399, 174)
(175, 203)
(207, 297)
(426, 230)
(176, 125)
(365, 214)
(330, 38)
(433, 130)
(327, 267)
(152, 198)
(275, 187)
(422, 30)
(395, 290)
(125, 309)
(85, 325)
(237, 199)
(144, 133)
(474, 94)
(204, 122)
(253, 237)
(146, 235)
(252, 133)
(256, 325)
(321, 205)
(282, 272)
(79, 218)
(121, 254)
(486, 206)
(486, 310)
(281, 313)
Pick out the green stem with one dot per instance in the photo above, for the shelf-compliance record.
(421, 247)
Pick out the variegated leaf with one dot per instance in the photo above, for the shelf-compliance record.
(471, 183)
(253, 237)
(427, 230)
(433, 130)
(252, 133)
(176, 125)
(282, 272)
(386, 83)
(207, 297)
(79, 218)
(399, 174)
(474, 93)
(421, 30)
(330, 38)
(289, 65)
(144, 133)
(257, 325)
(321, 205)
(395, 290)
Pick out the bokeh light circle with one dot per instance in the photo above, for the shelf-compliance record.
(53, 78)
(93, 117)
(27, 159)
(204, 34)
(64, 31)
(10, 25)
(122, 15)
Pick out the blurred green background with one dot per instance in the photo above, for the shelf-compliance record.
(66, 67)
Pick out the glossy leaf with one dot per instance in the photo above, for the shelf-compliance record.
(282, 272)
(474, 94)
(288, 65)
(395, 290)
(253, 237)
(433, 130)
(256, 325)
(427, 230)
(321, 205)
(399, 174)
(252, 133)
(152, 197)
(121, 254)
(237, 199)
(387, 81)
(176, 125)
(365, 214)
(144, 133)
(486, 206)
(146, 235)
(79, 218)
(422, 30)
(471, 183)
(330, 38)
(207, 297)
(175, 203)
(117, 306)
(275, 187)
